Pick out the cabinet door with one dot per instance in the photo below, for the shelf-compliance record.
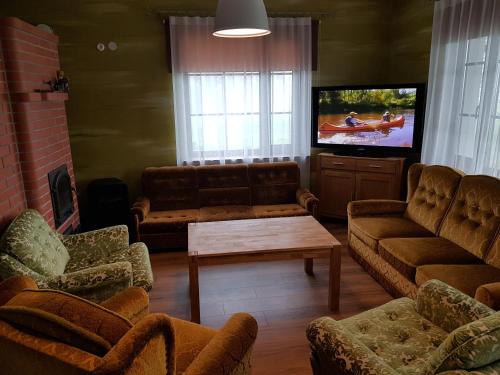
(337, 189)
(375, 186)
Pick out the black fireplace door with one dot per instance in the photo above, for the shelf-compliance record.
(61, 192)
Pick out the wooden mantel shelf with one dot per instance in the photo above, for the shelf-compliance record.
(40, 97)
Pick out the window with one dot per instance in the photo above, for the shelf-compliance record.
(469, 117)
(463, 108)
(241, 100)
(227, 112)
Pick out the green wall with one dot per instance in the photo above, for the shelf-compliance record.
(120, 112)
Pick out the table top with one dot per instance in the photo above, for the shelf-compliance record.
(258, 236)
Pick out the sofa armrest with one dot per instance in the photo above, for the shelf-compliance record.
(228, 352)
(13, 286)
(373, 207)
(489, 294)
(307, 200)
(149, 346)
(141, 208)
(95, 283)
(99, 243)
(337, 349)
(132, 303)
(448, 307)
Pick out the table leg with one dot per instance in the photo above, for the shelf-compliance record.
(334, 284)
(194, 290)
(308, 266)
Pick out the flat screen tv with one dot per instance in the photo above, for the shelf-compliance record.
(376, 119)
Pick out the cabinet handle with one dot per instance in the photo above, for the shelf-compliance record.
(337, 163)
(374, 166)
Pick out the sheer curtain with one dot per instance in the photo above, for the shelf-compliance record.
(463, 109)
(242, 100)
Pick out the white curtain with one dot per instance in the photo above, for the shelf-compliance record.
(242, 100)
(463, 110)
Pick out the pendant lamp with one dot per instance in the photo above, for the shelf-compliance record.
(241, 19)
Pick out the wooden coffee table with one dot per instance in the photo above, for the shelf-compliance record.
(232, 241)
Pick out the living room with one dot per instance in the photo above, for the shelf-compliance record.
(248, 186)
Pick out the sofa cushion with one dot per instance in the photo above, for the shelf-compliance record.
(432, 197)
(397, 334)
(31, 241)
(464, 277)
(85, 314)
(222, 176)
(372, 229)
(171, 188)
(236, 196)
(220, 213)
(406, 254)
(168, 221)
(470, 346)
(474, 217)
(279, 210)
(273, 183)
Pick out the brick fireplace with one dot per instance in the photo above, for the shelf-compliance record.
(34, 139)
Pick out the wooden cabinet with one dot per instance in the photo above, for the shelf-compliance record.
(342, 179)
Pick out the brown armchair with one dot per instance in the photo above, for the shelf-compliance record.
(52, 332)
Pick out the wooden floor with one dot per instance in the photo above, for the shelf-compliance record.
(279, 295)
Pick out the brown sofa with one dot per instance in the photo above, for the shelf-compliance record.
(448, 229)
(176, 196)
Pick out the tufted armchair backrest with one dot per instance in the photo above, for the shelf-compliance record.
(474, 217)
(30, 241)
(432, 196)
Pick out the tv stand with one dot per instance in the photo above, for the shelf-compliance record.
(342, 179)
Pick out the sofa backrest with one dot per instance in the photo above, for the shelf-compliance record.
(32, 242)
(474, 217)
(178, 188)
(432, 196)
(274, 183)
(222, 185)
(171, 188)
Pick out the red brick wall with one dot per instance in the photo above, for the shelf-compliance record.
(12, 199)
(32, 58)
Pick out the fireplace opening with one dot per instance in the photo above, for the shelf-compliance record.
(61, 192)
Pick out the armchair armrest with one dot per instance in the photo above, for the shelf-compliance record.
(372, 207)
(448, 307)
(141, 208)
(229, 350)
(155, 331)
(489, 294)
(100, 242)
(95, 283)
(335, 348)
(13, 286)
(10, 266)
(132, 303)
(307, 200)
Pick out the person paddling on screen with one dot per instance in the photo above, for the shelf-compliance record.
(387, 116)
(352, 121)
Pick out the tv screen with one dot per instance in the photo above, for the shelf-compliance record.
(361, 117)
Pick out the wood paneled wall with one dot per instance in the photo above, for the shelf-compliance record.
(121, 110)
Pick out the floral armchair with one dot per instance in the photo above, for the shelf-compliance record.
(94, 265)
(443, 332)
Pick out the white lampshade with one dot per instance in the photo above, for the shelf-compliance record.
(241, 19)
